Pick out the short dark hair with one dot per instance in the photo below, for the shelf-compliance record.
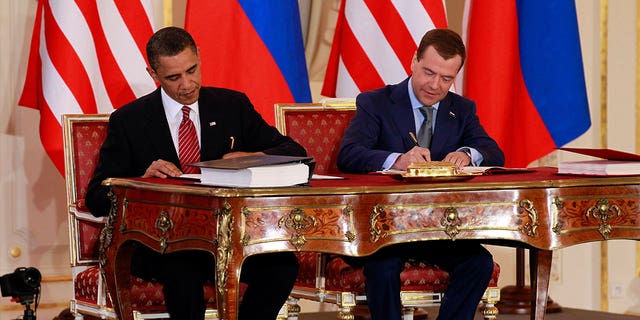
(447, 43)
(168, 41)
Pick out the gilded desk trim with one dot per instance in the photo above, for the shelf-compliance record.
(299, 220)
(521, 197)
(200, 190)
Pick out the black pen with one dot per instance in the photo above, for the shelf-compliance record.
(413, 137)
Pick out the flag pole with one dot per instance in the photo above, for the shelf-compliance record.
(167, 12)
(604, 245)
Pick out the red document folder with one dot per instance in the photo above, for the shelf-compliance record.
(612, 163)
(608, 154)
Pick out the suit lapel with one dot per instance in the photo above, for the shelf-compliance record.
(444, 123)
(213, 141)
(157, 129)
(401, 113)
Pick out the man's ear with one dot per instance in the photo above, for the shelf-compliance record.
(414, 60)
(153, 74)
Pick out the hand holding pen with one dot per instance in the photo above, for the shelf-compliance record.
(413, 137)
(416, 154)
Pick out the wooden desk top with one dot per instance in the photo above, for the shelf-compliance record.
(375, 183)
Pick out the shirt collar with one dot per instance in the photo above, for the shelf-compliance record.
(415, 103)
(174, 108)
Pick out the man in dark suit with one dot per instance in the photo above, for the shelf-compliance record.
(143, 140)
(379, 137)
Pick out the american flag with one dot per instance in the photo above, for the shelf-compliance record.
(86, 57)
(375, 41)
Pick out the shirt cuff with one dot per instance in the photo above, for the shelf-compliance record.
(476, 156)
(391, 159)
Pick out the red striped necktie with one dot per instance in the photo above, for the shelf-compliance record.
(188, 143)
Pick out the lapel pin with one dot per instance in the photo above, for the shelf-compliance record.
(452, 115)
(212, 123)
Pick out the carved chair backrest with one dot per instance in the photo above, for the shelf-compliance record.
(83, 136)
(318, 128)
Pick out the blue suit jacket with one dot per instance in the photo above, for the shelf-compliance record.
(384, 118)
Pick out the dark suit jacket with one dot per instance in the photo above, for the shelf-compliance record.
(138, 134)
(384, 119)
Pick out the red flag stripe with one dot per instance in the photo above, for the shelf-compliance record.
(375, 41)
(51, 136)
(368, 34)
(213, 23)
(357, 63)
(394, 30)
(84, 59)
(502, 97)
(33, 77)
(331, 75)
(135, 17)
(436, 11)
(67, 64)
(117, 87)
(128, 52)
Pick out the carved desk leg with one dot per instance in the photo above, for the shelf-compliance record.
(122, 273)
(227, 265)
(540, 268)
(115, 262)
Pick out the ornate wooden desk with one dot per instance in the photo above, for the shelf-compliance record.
(540, 211)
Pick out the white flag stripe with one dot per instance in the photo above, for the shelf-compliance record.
(150, 7)
(415, 17)
(369, 36)
(346, 87)
(373, 42)
(57, 83)
(75, 28)
(55, 91)
(124, 49)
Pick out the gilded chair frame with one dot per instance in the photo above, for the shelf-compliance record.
(336, 108)
(282, 108)
(76, 215)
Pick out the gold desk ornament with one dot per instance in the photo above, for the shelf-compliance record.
(431, 169)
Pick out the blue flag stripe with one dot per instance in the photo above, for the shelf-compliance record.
(278, 24)
(552, 66)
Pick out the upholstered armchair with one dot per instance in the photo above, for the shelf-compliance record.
(83, 137)
(327, 278)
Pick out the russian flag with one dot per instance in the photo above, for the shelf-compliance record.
(252, 46)
(524, 70)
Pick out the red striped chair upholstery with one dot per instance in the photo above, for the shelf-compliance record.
(327, 278)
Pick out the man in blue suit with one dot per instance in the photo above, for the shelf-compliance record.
(381, 136)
